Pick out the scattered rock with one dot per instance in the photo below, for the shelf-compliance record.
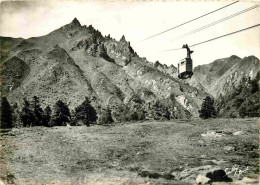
(249, 180)
(201, 179)
(218, 176)
(237, 133)
(214, 161)
(153, 175)
(1, 182)
(212, 134)
(192, 173)
(229, 148)
(168, 176)
(144, 173)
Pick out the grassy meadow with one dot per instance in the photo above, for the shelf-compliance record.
(124, 153)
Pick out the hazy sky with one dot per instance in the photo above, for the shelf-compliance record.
(139, 20)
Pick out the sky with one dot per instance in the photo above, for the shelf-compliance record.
(139, 20)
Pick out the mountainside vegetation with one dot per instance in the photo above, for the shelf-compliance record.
(223, 75)
(242, 101)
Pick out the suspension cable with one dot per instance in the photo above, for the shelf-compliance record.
(190, 21)
(216, 22)
(215, 38)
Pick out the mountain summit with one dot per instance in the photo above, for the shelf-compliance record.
(75, 23)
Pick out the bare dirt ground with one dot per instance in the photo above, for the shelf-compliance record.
(173, 152)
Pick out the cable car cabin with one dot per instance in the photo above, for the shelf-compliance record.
(185, 68)
(185, 65)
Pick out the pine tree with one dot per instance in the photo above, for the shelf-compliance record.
(38, 112)
(47, 116)
(61, 114)
(208, 109)
(6, 114)
(26, 115)
(86, 113)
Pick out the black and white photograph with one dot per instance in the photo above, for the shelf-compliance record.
(127, 92)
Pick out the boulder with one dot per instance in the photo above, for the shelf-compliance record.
(218, 176)
(201, 179)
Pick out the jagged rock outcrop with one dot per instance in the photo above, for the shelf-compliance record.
(170, 70)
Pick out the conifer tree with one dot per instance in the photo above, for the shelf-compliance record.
(26, 115)
(86, 113)
(47, 116)
(61, 115)
(38, 112)
(208, 109)
(6, 114)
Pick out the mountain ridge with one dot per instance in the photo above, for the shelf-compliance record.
(223, 75)
(75, 61)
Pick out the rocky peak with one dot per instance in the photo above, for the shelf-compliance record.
(75, 23)
(123, 39)
(234, 57)
(157, 63)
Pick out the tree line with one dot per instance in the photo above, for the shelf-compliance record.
(32, 114)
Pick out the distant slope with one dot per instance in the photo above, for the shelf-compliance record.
(242, 101)
(6, 44)
(75, 61)
(223, 75)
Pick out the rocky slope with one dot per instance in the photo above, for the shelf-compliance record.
(75, 61)
(242, 101)
(223, 75)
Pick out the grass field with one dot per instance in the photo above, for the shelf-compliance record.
(124, 153)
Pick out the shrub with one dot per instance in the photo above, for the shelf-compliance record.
(105, 117)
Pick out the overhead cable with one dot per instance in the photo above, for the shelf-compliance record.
(216, 22)
(190, 21)
(215, 38)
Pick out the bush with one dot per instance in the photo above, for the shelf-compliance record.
(105, 117)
